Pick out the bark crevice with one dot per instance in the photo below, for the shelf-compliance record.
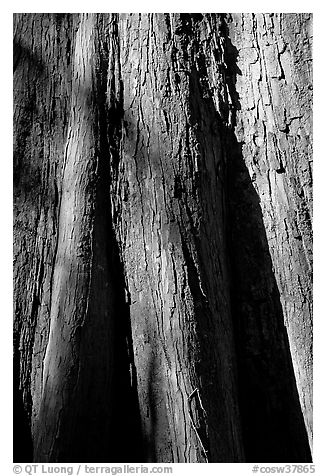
(272, 419)
(162, 205)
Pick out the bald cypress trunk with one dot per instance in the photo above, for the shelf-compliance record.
(273, 102)
(156, 318)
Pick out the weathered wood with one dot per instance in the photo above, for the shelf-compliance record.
(41, 102)
(71, 416)
(169, 211)
(274, 125)
(162, 236)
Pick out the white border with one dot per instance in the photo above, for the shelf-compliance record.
(319, 203)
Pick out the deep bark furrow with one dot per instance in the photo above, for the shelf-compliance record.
(78, 359)
(162, 240)
(274, 128)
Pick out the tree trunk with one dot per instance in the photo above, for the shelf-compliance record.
(66, 342)
(273, 99)
(161, 234)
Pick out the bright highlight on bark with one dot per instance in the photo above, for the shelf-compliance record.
(162, 237)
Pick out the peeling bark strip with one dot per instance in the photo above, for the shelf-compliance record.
(163, 237)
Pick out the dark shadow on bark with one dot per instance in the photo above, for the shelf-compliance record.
(22, 54)
(273, 428)
(22, 438)
(118, 435)
(217, 367)
(124, 443)
(151, 439)
(28, 180)
(127, 443)
(272, 421)
(273, 425)
(27, 184)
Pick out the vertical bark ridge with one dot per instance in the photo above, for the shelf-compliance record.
(126, 439)
(268, 395)
(159, 159)
(273, 122)
(41, 99)
(78, 359)
(163, 228)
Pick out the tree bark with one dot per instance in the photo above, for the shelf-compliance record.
(41, 103)
(274, 125)
(72, 378)
(162, 237)
(170, 219)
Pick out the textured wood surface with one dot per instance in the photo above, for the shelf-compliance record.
(162, 236)
(274, 126)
